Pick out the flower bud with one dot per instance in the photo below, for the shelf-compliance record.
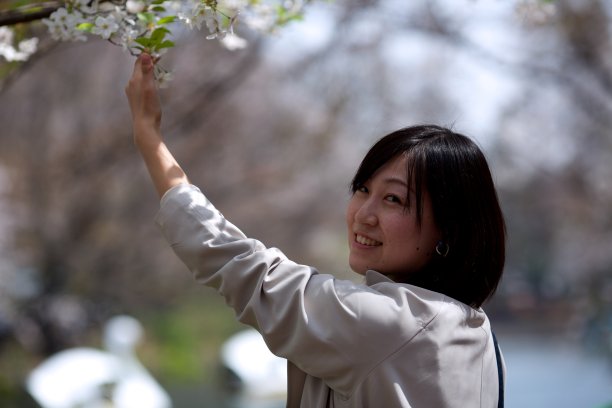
(134, 7)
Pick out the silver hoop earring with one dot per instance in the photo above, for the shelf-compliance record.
(442, 249)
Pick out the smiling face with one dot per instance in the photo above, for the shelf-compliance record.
(383, 230)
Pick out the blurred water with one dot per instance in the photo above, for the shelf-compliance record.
(548, 371)
(542, 371)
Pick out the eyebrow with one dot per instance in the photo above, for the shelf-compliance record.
(399, 181)
(395, 180)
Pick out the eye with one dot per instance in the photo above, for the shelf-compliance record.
(393, 199)
(361, 188)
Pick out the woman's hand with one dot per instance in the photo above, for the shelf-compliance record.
(144, 102)
(142, 95)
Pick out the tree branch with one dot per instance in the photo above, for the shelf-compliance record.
(29, 13)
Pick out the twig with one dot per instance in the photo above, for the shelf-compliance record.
(29, 13)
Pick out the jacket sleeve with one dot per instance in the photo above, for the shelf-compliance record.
(332, 329)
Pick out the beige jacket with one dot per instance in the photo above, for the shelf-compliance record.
(379, 344)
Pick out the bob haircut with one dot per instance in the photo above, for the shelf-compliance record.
(465, 208)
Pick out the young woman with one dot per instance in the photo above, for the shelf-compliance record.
(424, 227)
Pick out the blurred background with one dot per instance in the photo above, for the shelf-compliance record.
(273, 134)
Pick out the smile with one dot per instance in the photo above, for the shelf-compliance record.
(360, 239)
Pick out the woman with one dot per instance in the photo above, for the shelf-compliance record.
(424, 227)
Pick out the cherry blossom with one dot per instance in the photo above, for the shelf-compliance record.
(24, 48)
(146, 25)
(105, 26)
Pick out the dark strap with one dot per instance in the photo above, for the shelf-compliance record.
(500, 373)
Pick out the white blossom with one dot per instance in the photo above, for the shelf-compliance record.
(232, 42)
(28, 47)
(105, 26)
(135, 6)
(63, 25)
(195, 15)
(6, 36)
(105, 6)
(211, 22)
(24, 49)
(128, 36)
(117, 21)
(261, 18)
(6, 44)
(162, 76)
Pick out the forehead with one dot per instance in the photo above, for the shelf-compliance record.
(395, 171)
(400, 171)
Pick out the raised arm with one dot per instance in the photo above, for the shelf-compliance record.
(144, 102)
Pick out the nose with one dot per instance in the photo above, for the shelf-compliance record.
(366, 213)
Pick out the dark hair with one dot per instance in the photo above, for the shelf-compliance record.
(465, 208)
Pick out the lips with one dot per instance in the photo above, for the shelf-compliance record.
(363, 240)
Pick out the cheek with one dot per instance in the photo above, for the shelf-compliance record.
(350, 213)
(410, 240)
(403, 229)
(347, 218)
(430, 232)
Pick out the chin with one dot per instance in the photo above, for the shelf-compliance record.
(359, 269)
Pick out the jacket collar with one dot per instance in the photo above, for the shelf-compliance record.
(373, 277)
(475, 317)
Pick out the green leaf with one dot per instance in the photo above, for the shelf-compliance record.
(159, 34)
(146, 17)
(166, 20)
(85, 27)
(159, 9)
(145, 42)
(165, 44)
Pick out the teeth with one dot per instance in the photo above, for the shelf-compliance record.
(366, 241)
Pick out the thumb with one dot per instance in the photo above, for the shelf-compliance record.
(146, 62)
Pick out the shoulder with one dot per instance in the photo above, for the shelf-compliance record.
(385, 312)
(418, 301)
(425, 305)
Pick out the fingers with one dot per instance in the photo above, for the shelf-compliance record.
(141, 92)
(148, 78)
(146, 62)
(143, 69)
(137, 66)
(136, 77)
(142, 75)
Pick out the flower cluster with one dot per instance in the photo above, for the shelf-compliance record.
(145, 25)
(12, 50)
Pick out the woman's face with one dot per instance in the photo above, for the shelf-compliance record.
(383, 234)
